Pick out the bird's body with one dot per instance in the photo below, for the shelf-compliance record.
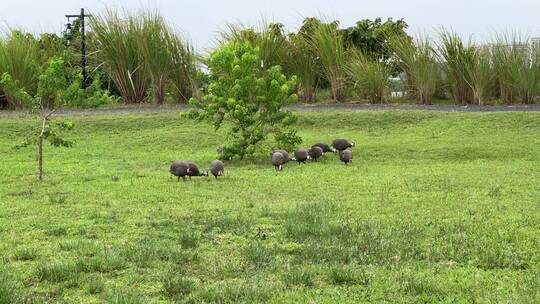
(315, 152)
(278, 160)
(193, 170)
(217, 168)
(325, 148)
(180, 168)
(301, 155)
(345, 156)
(342, 144)
(284, 153)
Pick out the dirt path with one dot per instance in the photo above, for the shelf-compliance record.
(318, 107)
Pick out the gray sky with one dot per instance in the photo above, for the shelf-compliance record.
(200, 20)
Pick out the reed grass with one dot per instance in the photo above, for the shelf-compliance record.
(370, 77)
(327, 43)
(20, 57)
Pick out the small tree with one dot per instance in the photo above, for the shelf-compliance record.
(51, 94)
(249, 97)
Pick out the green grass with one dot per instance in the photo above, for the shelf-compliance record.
(436, 207)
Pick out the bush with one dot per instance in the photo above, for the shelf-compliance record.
(249, 97)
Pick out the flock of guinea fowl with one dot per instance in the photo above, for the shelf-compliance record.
(187, 168)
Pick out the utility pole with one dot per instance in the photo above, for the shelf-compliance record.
(81, 17)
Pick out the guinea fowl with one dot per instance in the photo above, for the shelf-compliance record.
(193, 170)
(278, 160)
(325, 148)
(284, 153)
(301, 155)
(342, 144)
(180, 168)
(315, 152)
(345, 156)
(217, 168)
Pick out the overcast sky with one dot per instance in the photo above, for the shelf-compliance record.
(200, 20)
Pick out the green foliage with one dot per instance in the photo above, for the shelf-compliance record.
(248, 97)
(371, 37)
(20, 57)
(92, 96)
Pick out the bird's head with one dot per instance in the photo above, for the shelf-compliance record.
(205, 173)
(352, 144)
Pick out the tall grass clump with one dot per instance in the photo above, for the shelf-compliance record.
(303, 63)
(154, 40)
(458, 61)
(418, 60)
(517, 67)
(120, 51)
(328, 44)
(183, 73)
(482, 75)
(20, 58)
(143, 54)
(370, 77)
(269, 38)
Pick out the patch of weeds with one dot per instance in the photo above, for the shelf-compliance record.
(299, 276)
(257, 253)
(177, 286)
(140, 254)
(189, 239)
(8, 288)
(82, 247)
(308, 221)
(104, 262)
(95, 285)
(340, 275)
(232, 292)
(179, 256)
(224, 223)
(25, 253)
(56, 271)
(58, 198)
(56, 231)
(418, 285)
(120, 296)
(87, 232)
(494, 191)
(25, 193)
(115, 178)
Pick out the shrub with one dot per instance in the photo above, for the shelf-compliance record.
(247, 96)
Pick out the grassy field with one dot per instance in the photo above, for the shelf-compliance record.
(437, 207)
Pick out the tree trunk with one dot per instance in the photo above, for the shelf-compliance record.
(40, 148)
(40, 144)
